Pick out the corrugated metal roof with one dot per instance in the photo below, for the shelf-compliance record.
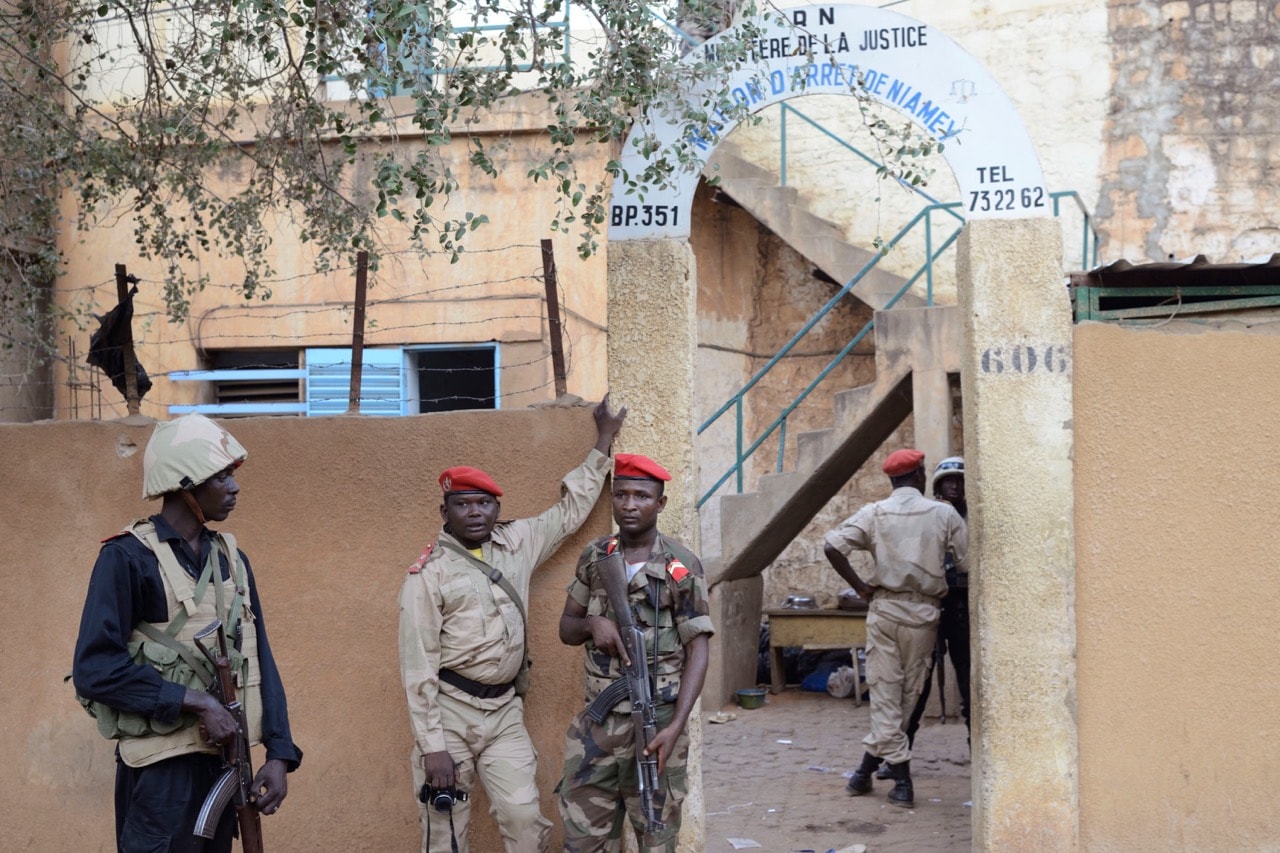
(1199, 272)
(1127, 292)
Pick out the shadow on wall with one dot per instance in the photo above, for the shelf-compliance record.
(331, 513)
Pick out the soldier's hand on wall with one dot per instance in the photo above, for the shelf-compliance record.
(608, 423)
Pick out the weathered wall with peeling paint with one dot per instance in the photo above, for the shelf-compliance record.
(1191, 157)
(754, 293)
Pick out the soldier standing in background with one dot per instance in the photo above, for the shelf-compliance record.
(908, 536)
(953, 627)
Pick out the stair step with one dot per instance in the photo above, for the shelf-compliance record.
(775, 489)
(812, 447)
(781, 210)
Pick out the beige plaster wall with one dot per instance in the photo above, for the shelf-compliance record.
(332, 511)
(1177, 677)
(494, 292)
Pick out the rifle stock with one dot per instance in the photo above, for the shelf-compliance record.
(644, 710)
(235, 786)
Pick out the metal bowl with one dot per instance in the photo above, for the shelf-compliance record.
(751, 697)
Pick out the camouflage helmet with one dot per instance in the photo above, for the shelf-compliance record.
(185, 452)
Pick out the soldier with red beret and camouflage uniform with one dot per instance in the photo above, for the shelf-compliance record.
(154, 587)
(909, 537)
(463, 650)
(668, 597)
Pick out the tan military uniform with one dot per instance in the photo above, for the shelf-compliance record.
(453, 617)
(909, 537)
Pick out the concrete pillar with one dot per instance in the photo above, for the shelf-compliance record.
(1016, 379)
(653, 336)
(735, 609)
(931, 414)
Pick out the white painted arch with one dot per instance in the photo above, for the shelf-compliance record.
(905, 64)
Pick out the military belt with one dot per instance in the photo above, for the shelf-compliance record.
(475, 688)
(893, 595)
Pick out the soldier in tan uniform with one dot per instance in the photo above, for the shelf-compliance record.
(908, 536)
(463, 649)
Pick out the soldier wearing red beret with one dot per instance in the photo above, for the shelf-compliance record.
(909, 537)
(462, 649)
(667, 593)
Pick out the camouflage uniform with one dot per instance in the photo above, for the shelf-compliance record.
(600, 761)
(452, 617)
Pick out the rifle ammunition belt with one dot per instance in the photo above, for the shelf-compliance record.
(475, 688)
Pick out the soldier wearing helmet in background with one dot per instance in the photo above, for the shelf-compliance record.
(953, 627)
(908, 536)
(156, 584)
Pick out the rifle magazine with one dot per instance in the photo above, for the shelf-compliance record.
(216, 803)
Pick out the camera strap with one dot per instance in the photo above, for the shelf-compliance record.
(453, 835)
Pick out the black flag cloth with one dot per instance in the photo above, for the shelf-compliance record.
(106, 347)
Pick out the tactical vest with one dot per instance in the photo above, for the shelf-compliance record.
(168, 647)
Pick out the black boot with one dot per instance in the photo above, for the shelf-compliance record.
(903, 794)
(860, 781)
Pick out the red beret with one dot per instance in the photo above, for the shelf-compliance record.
(466, 479)
(903, 462)
(638, 467)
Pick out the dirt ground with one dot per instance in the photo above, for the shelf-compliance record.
(775, 776)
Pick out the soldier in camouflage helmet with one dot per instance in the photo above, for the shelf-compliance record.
(155, 585)
(668, 594)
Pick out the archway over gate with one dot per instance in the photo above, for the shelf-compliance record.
(1017, 423)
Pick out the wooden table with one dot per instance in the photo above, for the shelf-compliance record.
(812, 630)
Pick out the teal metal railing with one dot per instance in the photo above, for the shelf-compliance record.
(736, 404)
(787, 109)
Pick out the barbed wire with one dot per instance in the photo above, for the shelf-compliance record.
(57, 376)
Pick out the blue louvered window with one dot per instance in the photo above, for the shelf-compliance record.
(382, 382)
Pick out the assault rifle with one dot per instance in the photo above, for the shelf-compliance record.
(635, 685)
(235, 785)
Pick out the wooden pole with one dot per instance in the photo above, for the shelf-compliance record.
(553, 318)
(357, 334)
(132, 400)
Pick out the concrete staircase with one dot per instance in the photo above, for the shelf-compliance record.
(778, 208)
(916, 349)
